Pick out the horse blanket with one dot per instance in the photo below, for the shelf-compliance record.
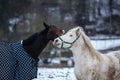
(15, 63)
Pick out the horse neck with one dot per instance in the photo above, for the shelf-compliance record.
(34, 47)
(83, 47)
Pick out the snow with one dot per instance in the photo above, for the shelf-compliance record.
(55, 74)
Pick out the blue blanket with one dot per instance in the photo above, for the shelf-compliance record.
(15, 63)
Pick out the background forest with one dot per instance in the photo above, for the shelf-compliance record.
(21, 18)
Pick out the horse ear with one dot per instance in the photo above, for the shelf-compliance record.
(63, 31)
(46, 25)
(78, 31)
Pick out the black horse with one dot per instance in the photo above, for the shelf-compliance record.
(18, 61)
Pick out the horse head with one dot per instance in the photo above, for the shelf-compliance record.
(38, 41)
(53, 31)
(67, 40)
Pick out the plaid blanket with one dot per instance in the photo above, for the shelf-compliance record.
(15, 63)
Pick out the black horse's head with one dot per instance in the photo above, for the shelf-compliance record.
(53, 31)
(49, 33)
(37, 42)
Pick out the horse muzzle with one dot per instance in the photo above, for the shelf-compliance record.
(57, 43)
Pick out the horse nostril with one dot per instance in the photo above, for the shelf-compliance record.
(56, 40)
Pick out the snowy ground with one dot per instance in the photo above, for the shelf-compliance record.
(55, 74)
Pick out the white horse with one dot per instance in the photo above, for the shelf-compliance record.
(89, 63)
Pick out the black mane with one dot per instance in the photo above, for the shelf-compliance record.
(36, 43)
(32, 38)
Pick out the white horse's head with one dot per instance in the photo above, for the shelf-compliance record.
(68, 39)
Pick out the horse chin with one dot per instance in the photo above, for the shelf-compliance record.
(58, 45)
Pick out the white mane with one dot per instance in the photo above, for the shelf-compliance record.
(88, 44)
